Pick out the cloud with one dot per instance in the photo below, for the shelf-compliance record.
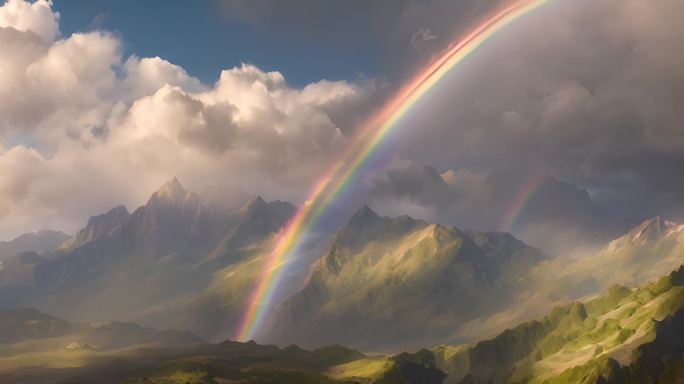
(36, 17)
(421, 37)
(353, 26)
(553, 215)
(591, 91)
(84, 128)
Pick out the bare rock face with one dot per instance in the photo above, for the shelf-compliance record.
(652, 230)
(99, 226)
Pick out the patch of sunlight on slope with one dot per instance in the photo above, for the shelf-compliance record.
(178, 376)
(61, 358)
(613, 334)
(383, 261)
(446, 352)
(370, 368)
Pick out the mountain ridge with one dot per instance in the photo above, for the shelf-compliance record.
(174, 237)
(378, 268)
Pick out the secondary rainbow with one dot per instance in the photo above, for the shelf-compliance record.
(345, 169)
(520, 200)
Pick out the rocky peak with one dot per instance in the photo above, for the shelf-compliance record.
(101, 225)
(254, 204)
(172, 191)
(652, 230)
(363, 217)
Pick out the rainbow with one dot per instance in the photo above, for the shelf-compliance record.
(521, 199)
(362, 145)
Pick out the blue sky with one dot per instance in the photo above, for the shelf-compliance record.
(203, 40)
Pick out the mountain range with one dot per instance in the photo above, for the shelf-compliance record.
(182, 261)
(378, 269)
(146, 265)
(625, 335)
(41, 242)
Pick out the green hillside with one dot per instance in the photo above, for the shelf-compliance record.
(623, 336)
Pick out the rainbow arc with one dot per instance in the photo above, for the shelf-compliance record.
(368, 138)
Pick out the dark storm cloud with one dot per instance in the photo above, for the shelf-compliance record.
(393, 28)
(592, 91)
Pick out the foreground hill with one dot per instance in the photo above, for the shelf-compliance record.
(39, 348)
(32, 343)
(626, 335)
(147, 265)
(392, 282)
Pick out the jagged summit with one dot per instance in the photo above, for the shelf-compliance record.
(172, 191)
(364, 215)
(651, 230)
(99, 225)
(255, 202)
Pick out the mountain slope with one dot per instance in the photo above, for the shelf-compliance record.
(125, 352)
(40, 242)
(144, 266)
(98, 226)
(622, 336)
(651, 249)
(380, 269)
(52, 350)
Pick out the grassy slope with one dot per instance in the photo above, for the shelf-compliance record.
(579, 342)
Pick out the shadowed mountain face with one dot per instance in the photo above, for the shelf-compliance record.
(146, 265)
(98, 226)
(26, 323)
(40, 242)
(396, 282)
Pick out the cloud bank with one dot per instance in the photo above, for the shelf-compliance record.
(590, 92)
(84, 128)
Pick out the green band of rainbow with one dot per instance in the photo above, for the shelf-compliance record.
(361, 147)
(521, 199)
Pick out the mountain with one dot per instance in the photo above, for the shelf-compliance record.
(380, 269)
(648, 251)
(27, 323)
(37, 347)
(624, 336)
(41, 242)
(555, 215)
(98, 226)
(148, 265)
(29, 330)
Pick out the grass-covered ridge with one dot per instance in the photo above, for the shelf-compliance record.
(605, 338)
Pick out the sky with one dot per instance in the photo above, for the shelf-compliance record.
(103, 101)
(204, 39)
